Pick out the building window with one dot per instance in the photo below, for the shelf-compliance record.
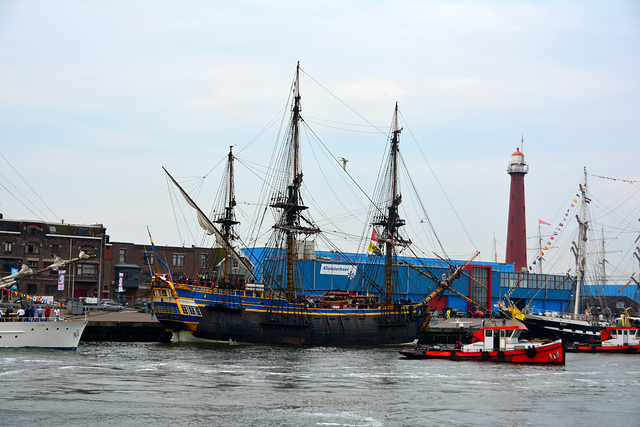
(148, 258)
(32, 288)
(203, 260)
(8, 247)
(31, 249)
(51, 289)
(178, 260)
(32, 264)
(147, 277)
(480, 286)
(6, 265)
(55, 249)
(32, 230)
(86, 270)
(123, 255)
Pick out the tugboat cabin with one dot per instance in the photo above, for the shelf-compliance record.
(494, 338)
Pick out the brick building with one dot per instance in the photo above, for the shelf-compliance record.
(137, 264)
(35, 243)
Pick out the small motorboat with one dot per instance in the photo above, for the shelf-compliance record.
(496, 344)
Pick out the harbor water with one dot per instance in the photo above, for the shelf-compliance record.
(224, 385)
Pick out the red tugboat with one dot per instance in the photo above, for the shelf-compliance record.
(615, 339)
(496, 344)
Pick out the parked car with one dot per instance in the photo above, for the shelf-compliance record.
(110, 305)
(478, 313)
(142, 302)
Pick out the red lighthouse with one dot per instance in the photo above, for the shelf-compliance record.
(517, 228)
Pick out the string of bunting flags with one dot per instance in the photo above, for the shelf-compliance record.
(628, 181)
(37, 300)
(557, 231)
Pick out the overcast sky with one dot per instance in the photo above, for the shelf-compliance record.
(97, 96)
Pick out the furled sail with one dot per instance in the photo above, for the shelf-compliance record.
(26, 271)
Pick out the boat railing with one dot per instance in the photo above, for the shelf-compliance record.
(15, 318)
(590, 318)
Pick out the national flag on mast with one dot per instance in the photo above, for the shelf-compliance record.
(543, 222)
(373, 244)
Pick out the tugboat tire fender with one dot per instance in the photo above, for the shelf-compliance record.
(500, 354)
(531, 352)
(484, 355)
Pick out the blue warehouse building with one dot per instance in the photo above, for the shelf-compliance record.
(483, 282)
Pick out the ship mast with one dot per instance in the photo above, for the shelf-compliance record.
(291, 203)
(391, 222)
(228, 220)
(579, 249)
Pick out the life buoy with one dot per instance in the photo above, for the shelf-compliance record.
(501, 354)
(593, 349)
(630, 349)
(452, 353)
(531, 352)
(484, 355)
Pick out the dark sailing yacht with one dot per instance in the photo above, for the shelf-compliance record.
(575, 326)
(282, 310)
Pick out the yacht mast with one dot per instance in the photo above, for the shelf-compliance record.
(579, 249)
(604, 259)
(539, 247)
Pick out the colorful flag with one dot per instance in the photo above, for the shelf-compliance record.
(373, 247)
(542, 222)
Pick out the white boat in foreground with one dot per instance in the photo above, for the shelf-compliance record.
(61, 335)
(58, 334)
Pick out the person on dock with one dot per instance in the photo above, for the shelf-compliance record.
(47, 313)
(40, 313)
(20, 314)
(57, 314)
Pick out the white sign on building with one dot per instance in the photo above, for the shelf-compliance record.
(339, 270)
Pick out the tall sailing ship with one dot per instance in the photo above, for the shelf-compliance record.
(280, 309)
